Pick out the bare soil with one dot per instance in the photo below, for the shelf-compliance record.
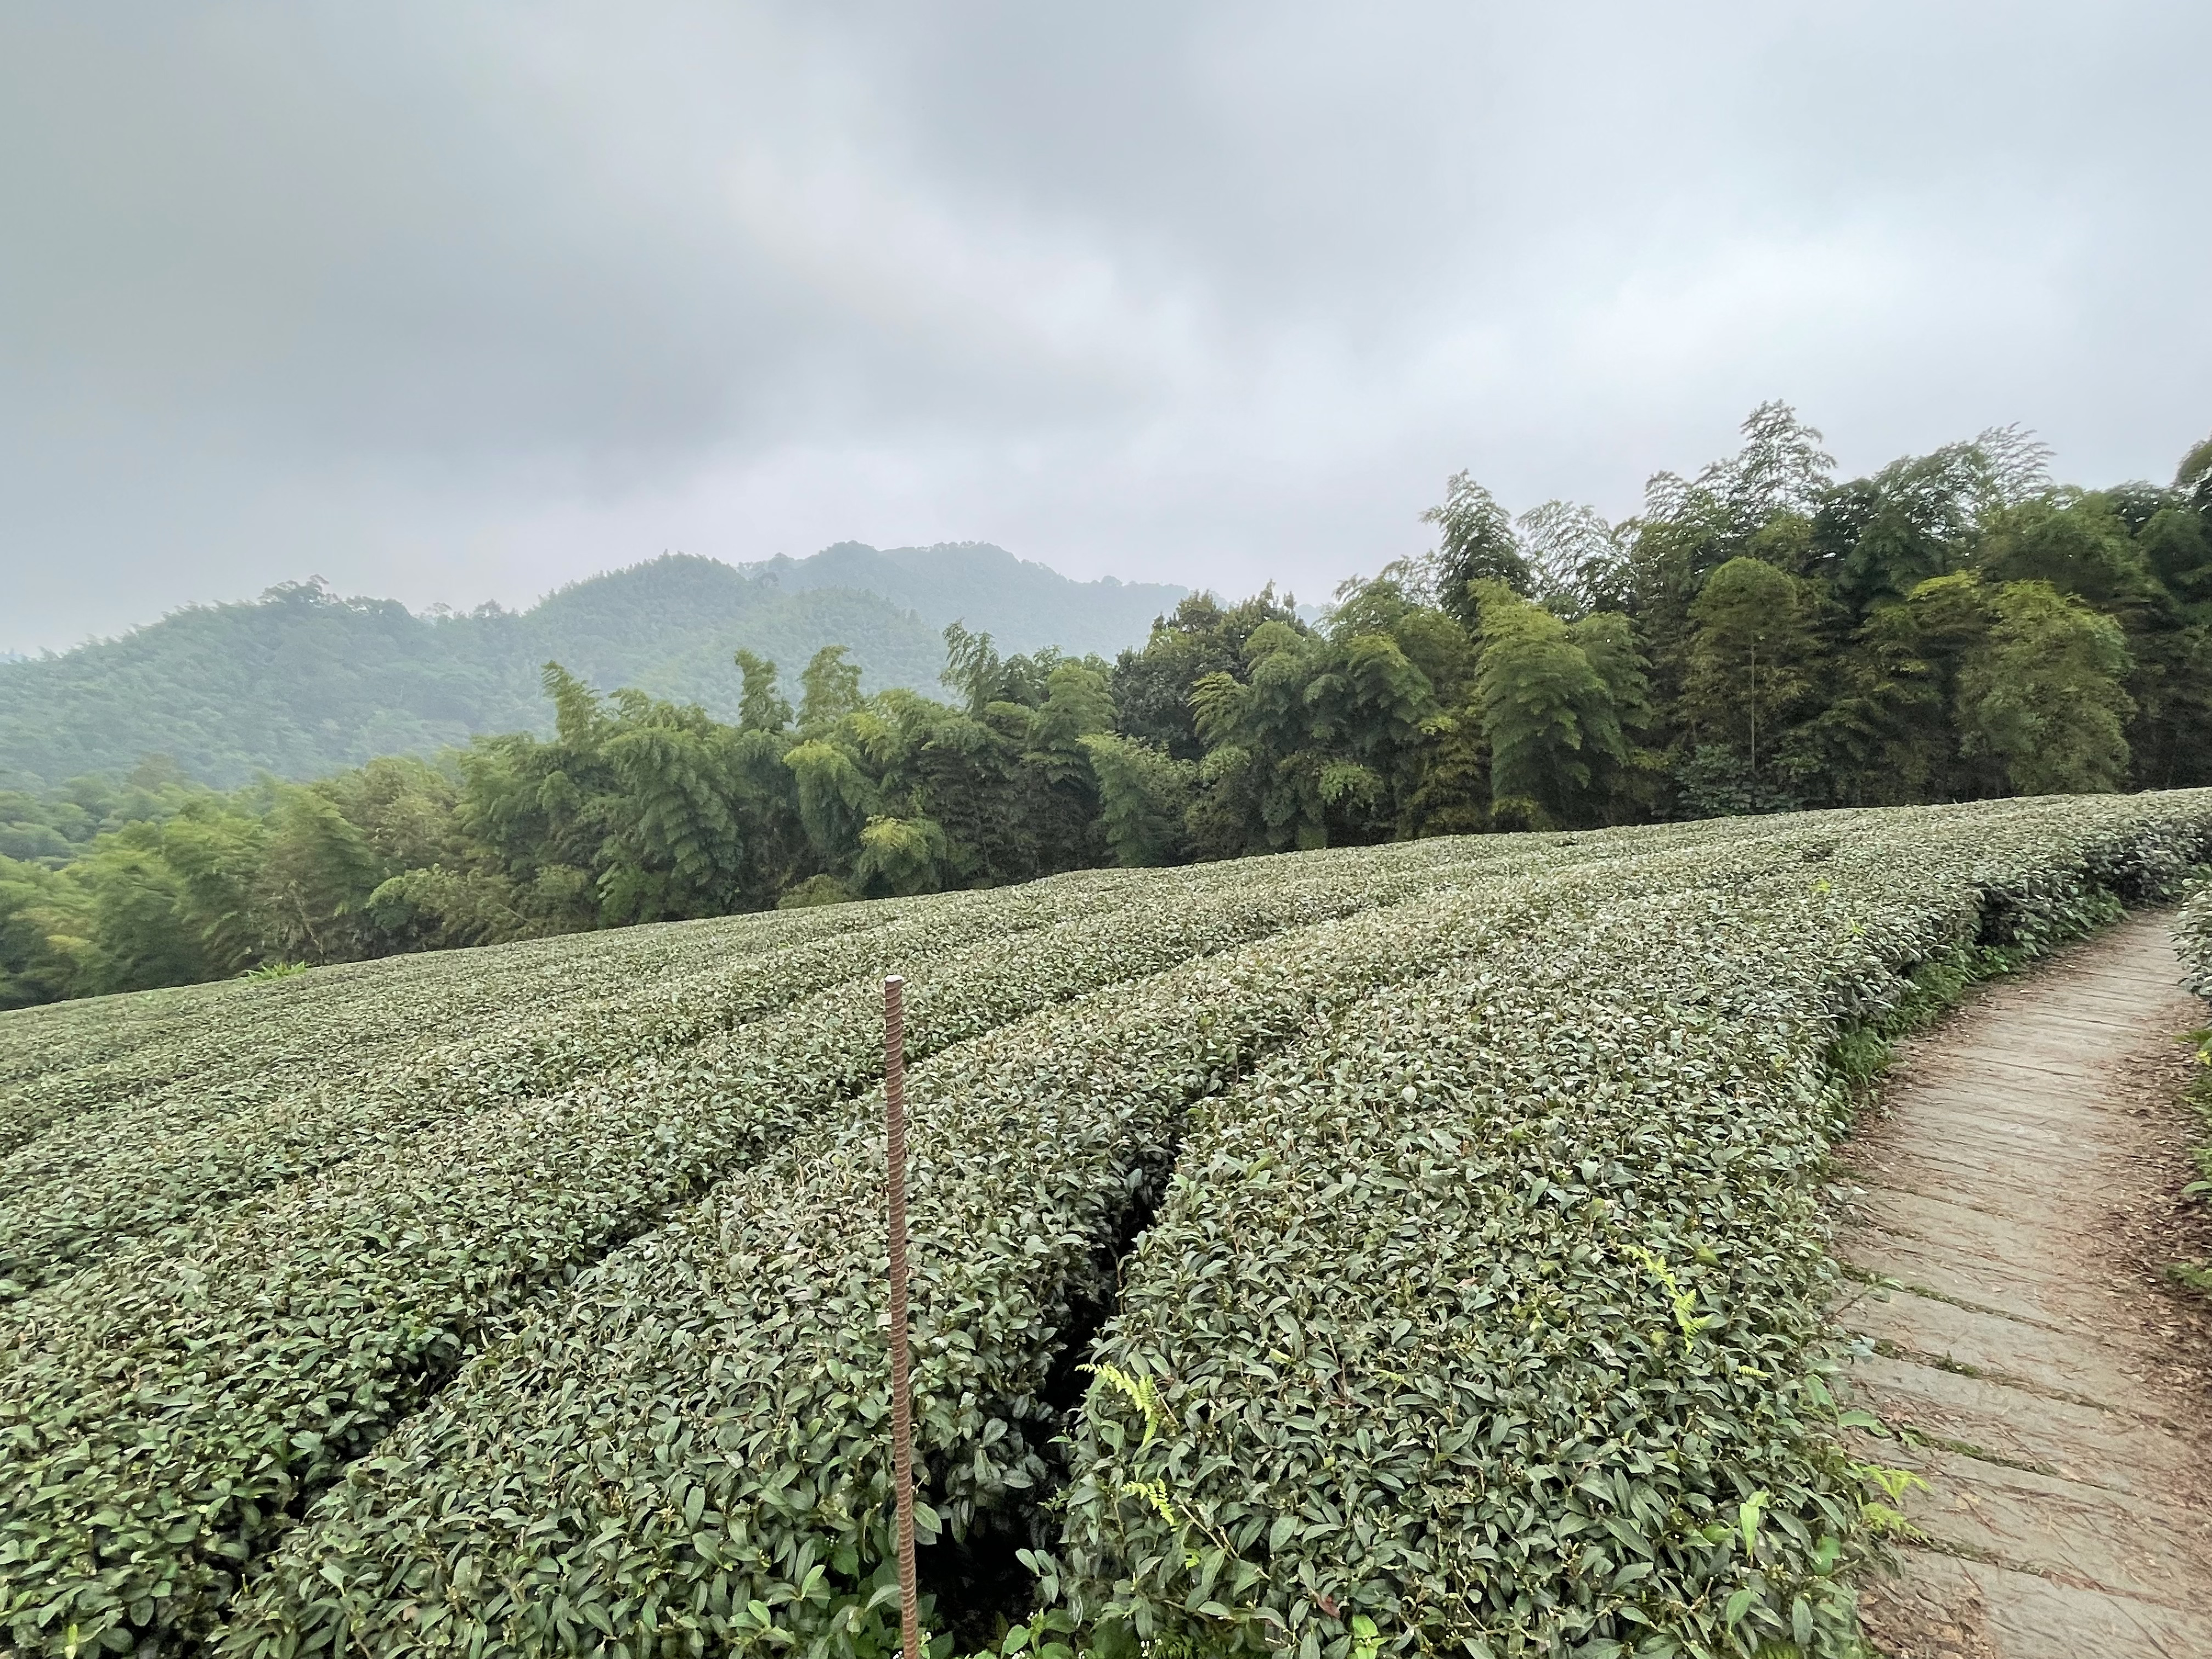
(2019, 1197)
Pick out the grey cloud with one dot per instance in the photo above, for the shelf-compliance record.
(455, 300)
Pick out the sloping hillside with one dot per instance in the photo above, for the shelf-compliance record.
(301, 681)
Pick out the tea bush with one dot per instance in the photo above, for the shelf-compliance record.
(162, 1411)
(752, 1320)
(1452, 1212)
(1575, 1400)
(2192, 934)
(2192, 938)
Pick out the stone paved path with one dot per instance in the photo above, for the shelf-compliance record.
(2030, 1363)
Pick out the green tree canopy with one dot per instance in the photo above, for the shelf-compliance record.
(1752, 658)
(2042, 693)
(1547, 712)
(1475, 543)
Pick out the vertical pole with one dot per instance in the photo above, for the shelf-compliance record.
(901, 1403)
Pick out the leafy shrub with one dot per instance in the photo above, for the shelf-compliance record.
(816, 890)
(2192, 938)
(1482, 1307)
(2192, 934)
(160, 1411)
(755, 1315)
(1498, 1320)
(110, 1176)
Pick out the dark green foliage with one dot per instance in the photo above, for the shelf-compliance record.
(1151, 687)
(634, 809)
(2041, 695)
(1713, 781)
(1549, 714)
(1877, 540)
(1762, 638)
(832, 684)
(1315, 739)
(2075, 543)
(1143, 797)
(1752, 658)
(1475, 543)
(816, 890)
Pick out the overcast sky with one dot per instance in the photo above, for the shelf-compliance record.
(449, 301)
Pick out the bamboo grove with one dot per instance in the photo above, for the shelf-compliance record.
(1762, 637)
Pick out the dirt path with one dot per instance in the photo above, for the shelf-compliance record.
(2049, 1389)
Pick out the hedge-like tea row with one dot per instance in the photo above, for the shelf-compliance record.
(249, 1040)
(699, 1427)
(159, 1411)
(1496, 1326)
(140, 1040)
(1507, 1420)
(478, 1032)
(240, 1042)
(2192, 937)
(82, 1192)
(679, 1450)
(97, 1051)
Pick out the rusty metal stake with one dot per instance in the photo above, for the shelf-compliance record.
(901, 1404)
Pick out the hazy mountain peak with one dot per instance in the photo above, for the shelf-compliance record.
(1021, 604)
(301, 681)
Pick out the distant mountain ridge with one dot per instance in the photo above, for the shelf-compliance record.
(986, 587)
(302, 682)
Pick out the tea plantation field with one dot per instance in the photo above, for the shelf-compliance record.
(1401, 1249)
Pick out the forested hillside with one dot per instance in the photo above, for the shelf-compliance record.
(1761, 638)
(303, 682)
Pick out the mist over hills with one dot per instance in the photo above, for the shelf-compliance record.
(302, 682)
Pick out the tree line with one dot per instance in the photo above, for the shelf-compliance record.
(1760, 637)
